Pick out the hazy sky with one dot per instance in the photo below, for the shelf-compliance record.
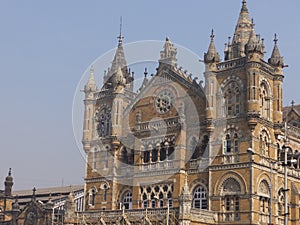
(45, 47)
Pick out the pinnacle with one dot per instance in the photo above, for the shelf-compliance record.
(244, 7)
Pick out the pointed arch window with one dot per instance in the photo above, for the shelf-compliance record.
(92, 195)
(231, 190)
(200, 198)
(264, 199)
(231, 144)
(127, 200)
(232, 100)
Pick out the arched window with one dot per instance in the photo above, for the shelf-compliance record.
(231, 144)
(92, 195)
(264, 101)
(264, 199)
(127, 200)
(200, 198)
(232, 99)
(231, 190)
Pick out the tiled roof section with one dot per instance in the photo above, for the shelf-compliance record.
(52, 190)
(287, 109)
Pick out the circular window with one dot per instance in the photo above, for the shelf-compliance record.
(164, 101)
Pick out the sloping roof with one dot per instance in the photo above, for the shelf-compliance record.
(43, 194)
(52, 190)
(287, 109)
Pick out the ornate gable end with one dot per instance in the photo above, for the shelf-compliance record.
(32, 213)
(168, 95)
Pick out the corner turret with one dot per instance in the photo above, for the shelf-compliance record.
(212, 56)
(276, 59)
(90, 86)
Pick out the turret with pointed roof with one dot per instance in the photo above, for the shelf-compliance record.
(212, 55)
(254, 43)
(91, 85)
(276, 59)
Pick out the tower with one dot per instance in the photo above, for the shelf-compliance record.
(8, 184)
(103, 128)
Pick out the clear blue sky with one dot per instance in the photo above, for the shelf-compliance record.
(45, 47)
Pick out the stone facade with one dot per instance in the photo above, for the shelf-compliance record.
(178, 152)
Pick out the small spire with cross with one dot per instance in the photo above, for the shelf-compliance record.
(120, 37)
(212, 36)
(145, 72)
(275, 39)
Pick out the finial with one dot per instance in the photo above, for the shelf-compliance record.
(120, 35)
(145, 72)
(244, 7)
(252, 21)
(293, 103)
(212, 36)
(33, 193)
(275, 39)
(92, 68)
(167, 38)
(9, 172)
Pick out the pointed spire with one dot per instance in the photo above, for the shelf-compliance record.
(120, 37)
(276, 59)
(168, 54)
(91, 85)
(119, 58)
(253, 43)
(212, 55)
(242, 32)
